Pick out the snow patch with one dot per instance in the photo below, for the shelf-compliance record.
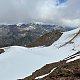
(78, 57)
(45, 74)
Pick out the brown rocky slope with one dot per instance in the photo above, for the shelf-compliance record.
(63, 70)
(46, 39)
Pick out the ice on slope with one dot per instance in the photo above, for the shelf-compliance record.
(18, 62)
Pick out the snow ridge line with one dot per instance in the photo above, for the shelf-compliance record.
(72, 56)
(70, 41)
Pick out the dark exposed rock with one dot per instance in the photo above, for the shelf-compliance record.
(68, 71)
(47, 39)
(2, 51)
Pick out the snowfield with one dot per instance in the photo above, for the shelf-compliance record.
(18, 62)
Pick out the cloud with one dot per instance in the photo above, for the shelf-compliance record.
(66, 13)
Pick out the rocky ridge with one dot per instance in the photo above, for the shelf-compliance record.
(24, 34)
(62, 70)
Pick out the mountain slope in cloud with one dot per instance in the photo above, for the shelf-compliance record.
(18, 62)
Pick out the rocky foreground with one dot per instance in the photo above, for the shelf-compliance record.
(62, 70)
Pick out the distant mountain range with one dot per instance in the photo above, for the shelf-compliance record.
(23, 34)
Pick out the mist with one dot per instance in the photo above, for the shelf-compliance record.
(61, 12)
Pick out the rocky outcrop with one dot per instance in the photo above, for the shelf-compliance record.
(69, 71)
(47, 39)
(63, 70)
(2, 51)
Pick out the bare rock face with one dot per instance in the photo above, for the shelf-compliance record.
(1, 51)
(46, 39)
(69, 71)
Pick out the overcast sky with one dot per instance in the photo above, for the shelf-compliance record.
(62, 12)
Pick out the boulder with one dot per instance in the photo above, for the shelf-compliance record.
(1, 51)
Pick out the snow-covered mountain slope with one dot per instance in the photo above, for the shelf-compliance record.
(19, 62)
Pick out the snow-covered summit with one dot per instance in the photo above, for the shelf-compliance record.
(18, 62)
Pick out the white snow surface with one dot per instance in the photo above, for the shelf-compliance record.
(73, 59)
(18, 62)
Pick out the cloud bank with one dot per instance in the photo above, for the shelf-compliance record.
(62, 12)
